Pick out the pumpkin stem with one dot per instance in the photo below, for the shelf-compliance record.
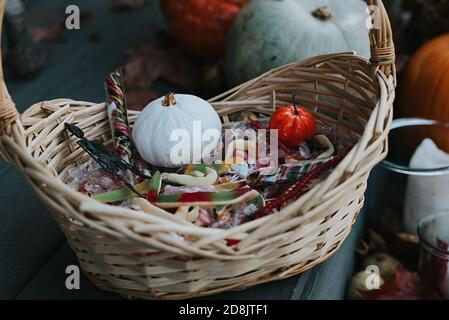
(294, 103)
(169, 100)
(322, 13)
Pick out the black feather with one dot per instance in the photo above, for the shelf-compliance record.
(76, 131)
(111, 163)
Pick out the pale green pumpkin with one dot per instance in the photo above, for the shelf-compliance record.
(272, 33)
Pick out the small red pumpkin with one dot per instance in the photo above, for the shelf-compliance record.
(201, 27)
(294, 124)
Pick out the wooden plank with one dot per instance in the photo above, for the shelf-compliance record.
(76, 68)
(28, 234)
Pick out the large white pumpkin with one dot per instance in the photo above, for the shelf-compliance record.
(154, 128)
(272, 33)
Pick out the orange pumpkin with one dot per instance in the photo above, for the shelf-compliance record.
(424, 91)
(201, 26)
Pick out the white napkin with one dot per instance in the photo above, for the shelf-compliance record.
(426, 194)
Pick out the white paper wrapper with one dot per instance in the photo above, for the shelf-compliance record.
(426, 194)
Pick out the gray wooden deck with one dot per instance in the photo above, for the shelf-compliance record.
(33, 252)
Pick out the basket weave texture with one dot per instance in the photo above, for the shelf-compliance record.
(135, 253)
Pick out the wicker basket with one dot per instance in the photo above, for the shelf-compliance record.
(135, 253)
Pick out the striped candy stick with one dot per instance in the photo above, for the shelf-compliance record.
(118, 115)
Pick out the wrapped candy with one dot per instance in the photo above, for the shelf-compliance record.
(170, 190)
(91, 179)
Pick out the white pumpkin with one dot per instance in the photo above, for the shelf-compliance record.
(272, 33)
(154, 130)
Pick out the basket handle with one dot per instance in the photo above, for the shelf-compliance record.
(383, 54)
(8, 111)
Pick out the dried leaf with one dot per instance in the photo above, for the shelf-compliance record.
(154, 60)
(51, 32)
(389, 222)
(137, 99)
(362, 248)
(123, 5)
(412, 238)
(212, 80)
(404, 286)
(376, 242)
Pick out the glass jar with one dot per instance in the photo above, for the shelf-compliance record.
(433, 232)
(399, 196)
